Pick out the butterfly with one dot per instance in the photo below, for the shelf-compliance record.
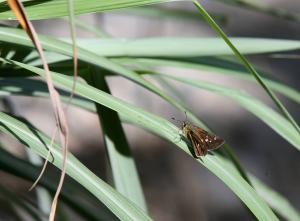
(201, 140)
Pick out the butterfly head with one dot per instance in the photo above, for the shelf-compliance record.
(185, 127)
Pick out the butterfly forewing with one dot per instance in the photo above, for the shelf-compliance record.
(198, 150)
(201, 140)
(213, 142)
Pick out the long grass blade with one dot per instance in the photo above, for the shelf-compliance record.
(34, 88)
(172, 47)
(259, 109)
(217, 67)
(280, 204)
(59, 114)
(89, 207)
(74, 44)
(39, 143)
(244, 61)
(122, 167)
(58, 8)
(20, 203)
(262, 7)
(216, 164)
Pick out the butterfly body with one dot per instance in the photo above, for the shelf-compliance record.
(201, 140)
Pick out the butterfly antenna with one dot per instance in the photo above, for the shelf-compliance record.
(185, 116)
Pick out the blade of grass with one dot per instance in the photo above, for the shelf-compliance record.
(171, 47)
(58, 8)
(74, 44)
(60, 118)
(35, 88)
(228, 152)
(244, 61)
(120, 159)
(43, 197)
(39, 143)
(281, 205)
(157, 12)
(214, 66)
(218, 165)
(221, 167)
(88, 27)
(259, 109)
(90, 57)
(23, 204)
(121, 162)
(263, 8)
(102, 62)
(89, 207)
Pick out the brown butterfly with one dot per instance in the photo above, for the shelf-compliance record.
(201, 140)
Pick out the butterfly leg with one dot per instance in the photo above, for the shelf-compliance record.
(177, 139)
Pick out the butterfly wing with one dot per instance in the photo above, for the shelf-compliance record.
(196, 143)
(205, 141)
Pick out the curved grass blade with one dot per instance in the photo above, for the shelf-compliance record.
(88, 27)
(275, 200)
(18, 37)
(121, 162)
(60, 118)
(89, 208)
(42, 196)
(39, 143)
(32, 87)
(281, 205)
(221, 167)
(171, 47)
(74, 44)
(259, 109)
(156, 12)
(92, 58)
(263, 8)
(244, 61)
(217, 66)
(40, 9)
(61, 47)
(20, 203)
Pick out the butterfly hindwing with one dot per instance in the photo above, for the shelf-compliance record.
(201, 140)
(197, 146)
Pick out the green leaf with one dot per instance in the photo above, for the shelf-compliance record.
(89, 207)
(244, 61)
(121, 162)
(259, 109)
(18, 37)
(263, 7)
(91, 28)
(215, 65)
(109, 66)
(19, 203)
(41, 9)
(39, 143)
(221, 167)
(183, 47)
(275, 200)
(157, 12)
(281, 205)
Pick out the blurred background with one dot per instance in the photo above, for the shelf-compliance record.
(175, 186)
